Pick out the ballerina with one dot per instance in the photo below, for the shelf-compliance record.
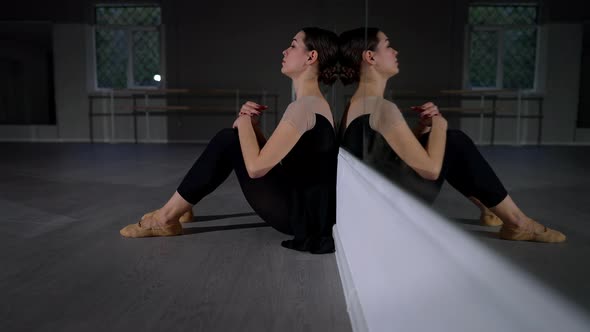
(288, 180)
(429, 154)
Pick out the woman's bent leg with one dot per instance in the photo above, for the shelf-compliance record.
(210, 170)
(266, 195)
(468, 172)
(269, 195)
(221, 156)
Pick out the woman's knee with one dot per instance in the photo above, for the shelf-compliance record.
(226, 134)
(224, 139)
(459, 137)
(228, 131)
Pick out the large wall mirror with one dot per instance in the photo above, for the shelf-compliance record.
(491, 70)
(424, 60)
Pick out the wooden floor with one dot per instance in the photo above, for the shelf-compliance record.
(64, 266)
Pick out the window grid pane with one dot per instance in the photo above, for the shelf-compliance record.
(502, 15)
(483, 59)
(112, 45)
(143, 16)
(146, 57)
(519, 46)
(111, 58)
(519, 58)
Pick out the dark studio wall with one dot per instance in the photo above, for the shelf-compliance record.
(230, 44)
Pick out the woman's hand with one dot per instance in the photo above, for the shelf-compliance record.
(427, 111)
(242, 118)
(253, 110)
(440, 122)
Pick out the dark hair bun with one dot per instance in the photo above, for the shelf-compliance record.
(349, 75)
(329, 75)
(352, 44)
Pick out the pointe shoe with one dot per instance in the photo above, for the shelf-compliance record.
(137, 230)
(532, 231)
(488, 218)
(186, 217)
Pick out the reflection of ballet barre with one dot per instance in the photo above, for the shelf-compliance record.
(464, 109)
(482, 93)
(147, 109)
(493, 95)
(165, 108)
(480, 110)
(479, 92)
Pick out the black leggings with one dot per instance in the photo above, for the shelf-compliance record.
(465, 169)
(267, 195)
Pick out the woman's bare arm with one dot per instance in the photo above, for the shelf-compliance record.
(427, 162)
(260, 138)
(261, 161)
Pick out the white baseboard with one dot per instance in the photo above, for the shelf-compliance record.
(579, 143)
(46, 140)
(86, 140)
(508, 143)
(191, 141)
(353, 304)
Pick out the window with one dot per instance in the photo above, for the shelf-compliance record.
(502, 46)
(127, 44)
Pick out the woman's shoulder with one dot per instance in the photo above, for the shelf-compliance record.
(310, 107)
(309, 102)
(386, 115)
(371, 104)
(301, 113)
(388, 105)
(375, 106)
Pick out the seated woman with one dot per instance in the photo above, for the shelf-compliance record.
(422, 159)
(288, 180)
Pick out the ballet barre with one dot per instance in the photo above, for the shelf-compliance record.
(148, 109)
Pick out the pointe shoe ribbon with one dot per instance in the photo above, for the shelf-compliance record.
(137, 230)
(490, 219)
(531, 232)
(186, 217)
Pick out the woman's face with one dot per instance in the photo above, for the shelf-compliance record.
(295, 56)
(385, 57)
